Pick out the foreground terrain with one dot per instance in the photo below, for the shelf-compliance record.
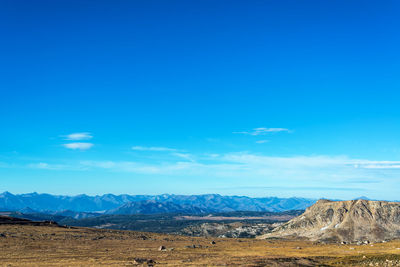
(50, 245)
(226, 224)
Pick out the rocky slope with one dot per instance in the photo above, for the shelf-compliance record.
(230, 230)
(344, 221)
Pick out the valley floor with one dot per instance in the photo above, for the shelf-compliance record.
(25, 245)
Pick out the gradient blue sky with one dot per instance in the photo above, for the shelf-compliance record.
(258, 98)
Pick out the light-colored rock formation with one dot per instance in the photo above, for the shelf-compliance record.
(344, 221)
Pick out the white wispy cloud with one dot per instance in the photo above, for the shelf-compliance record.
(47, 166)
(40, 165)
(153, 148)
(306, 161)
(186, 156)
(366, 164)
(78, 146)
(382, 166)
(78, 136)
(140, 167)
(56, 166)
(262, 141)
(263, 131)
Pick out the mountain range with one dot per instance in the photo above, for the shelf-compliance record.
(84, 205)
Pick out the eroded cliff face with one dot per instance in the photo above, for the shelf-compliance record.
(347, 221)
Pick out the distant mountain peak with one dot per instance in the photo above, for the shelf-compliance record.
(362, 197)
(6, 193)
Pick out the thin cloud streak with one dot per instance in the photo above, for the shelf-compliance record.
(292, 188)
(55, 167)
(78, 146)
(78, 136)
(143, 148)
(263, 131)
(186, 156)
(374, 166)
(46, 166)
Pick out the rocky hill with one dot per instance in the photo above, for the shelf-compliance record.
(344, 221)
(19, 221)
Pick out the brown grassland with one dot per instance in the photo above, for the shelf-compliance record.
(24, 245)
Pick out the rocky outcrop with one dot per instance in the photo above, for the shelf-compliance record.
(230, 230)
(344, 221)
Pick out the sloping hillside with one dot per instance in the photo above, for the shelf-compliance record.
(347, 221)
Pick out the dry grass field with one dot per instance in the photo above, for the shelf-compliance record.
(22, 245)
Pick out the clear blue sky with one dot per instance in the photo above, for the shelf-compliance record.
(259, 98)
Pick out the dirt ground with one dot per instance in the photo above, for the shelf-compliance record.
(22, 245)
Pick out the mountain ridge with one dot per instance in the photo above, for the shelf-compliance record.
(106, 202)
(154, 207)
